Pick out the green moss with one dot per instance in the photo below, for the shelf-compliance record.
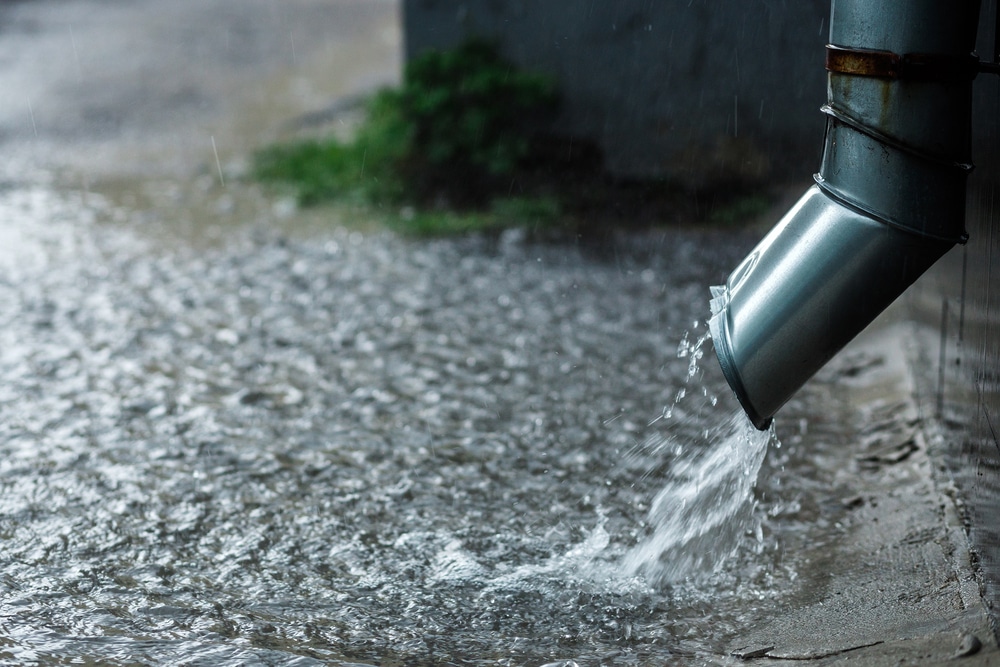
(534, 213)
(441, 222)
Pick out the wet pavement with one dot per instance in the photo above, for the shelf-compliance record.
(237, 433)
(142, 88)
(350, 447)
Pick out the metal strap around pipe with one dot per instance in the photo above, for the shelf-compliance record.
(853, 204)
(878, 135)
(908, 66)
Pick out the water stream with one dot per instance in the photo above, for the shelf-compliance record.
(706, 511)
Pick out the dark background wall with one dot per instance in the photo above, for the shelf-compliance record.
(691, 89)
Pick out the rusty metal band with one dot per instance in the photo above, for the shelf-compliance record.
(937, 67)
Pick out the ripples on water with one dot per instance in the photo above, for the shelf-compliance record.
(353, 448)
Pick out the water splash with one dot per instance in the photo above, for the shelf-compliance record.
(705, 512)
(581, 558)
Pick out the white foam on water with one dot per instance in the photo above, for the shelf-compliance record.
(581, 558)
(705, 512)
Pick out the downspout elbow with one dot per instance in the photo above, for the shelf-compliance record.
(888, 202)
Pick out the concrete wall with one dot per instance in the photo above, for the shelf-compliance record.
(696, 90)
(960, 301)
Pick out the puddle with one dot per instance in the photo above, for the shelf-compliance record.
(339, 445)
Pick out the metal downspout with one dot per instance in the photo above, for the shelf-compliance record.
(888, 202)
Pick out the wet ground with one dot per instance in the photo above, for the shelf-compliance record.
(236, 433)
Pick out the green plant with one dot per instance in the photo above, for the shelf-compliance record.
(364, 170)
(461, 122)
(471, 108)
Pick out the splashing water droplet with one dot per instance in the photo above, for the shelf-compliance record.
(705, 512)
(700, 518)
(683, 347)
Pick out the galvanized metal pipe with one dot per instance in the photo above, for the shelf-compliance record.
(889, 199)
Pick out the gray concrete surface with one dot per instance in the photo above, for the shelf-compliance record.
(959, 368)
(892, 584)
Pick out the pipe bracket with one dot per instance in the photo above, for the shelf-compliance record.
(937, 67)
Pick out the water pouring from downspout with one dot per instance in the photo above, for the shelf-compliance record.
(888, 202)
